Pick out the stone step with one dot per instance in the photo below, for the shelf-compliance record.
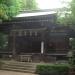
(19, 67)
(18, 70)
(19, 63)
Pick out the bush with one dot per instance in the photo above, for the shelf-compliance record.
(73, 62)
(52, 69)
(73, 58)
(1, 64)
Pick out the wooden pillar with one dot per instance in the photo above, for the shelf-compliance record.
(35, 33)
(42, 42)
(42, 47)
(30, 33)
(20, 33)
(14, 49)
(25, 33)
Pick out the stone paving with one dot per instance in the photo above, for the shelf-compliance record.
(3, 72)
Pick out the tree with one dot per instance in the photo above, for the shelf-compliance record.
(68, 19)
(28, 4)
(3, 40)
(68, 16)
(3, 12)
(9, 8)
(64, 16)
(72, 9)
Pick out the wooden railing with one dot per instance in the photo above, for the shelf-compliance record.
(26, 58)
(37, 57)
(54, 52)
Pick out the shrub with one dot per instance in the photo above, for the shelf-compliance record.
(1, 64)
(73, 62)
(52, 69)
(73, 59)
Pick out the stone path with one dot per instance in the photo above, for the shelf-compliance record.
(3, 72)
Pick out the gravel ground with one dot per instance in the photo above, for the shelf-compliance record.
(3, 72)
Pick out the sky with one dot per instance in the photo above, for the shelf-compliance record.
(51, 4)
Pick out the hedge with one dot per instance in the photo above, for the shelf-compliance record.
(52, 69)
(1, 63)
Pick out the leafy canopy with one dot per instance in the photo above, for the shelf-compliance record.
(9, 8)
(67, 17)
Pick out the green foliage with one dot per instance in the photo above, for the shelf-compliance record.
(52, 69)
(9, 8)
(72, 4)
(73, 58)
(67, 16)
(1, 63)
(3, 12)
(73, 43)
(73, 7)
(28, 4)
(3, 41)
(65, 19)
(73, 62)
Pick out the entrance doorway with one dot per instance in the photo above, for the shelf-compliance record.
(25, 45)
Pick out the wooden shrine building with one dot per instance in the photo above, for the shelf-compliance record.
(38, 37)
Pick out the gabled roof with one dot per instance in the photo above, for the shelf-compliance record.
(29, 14)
